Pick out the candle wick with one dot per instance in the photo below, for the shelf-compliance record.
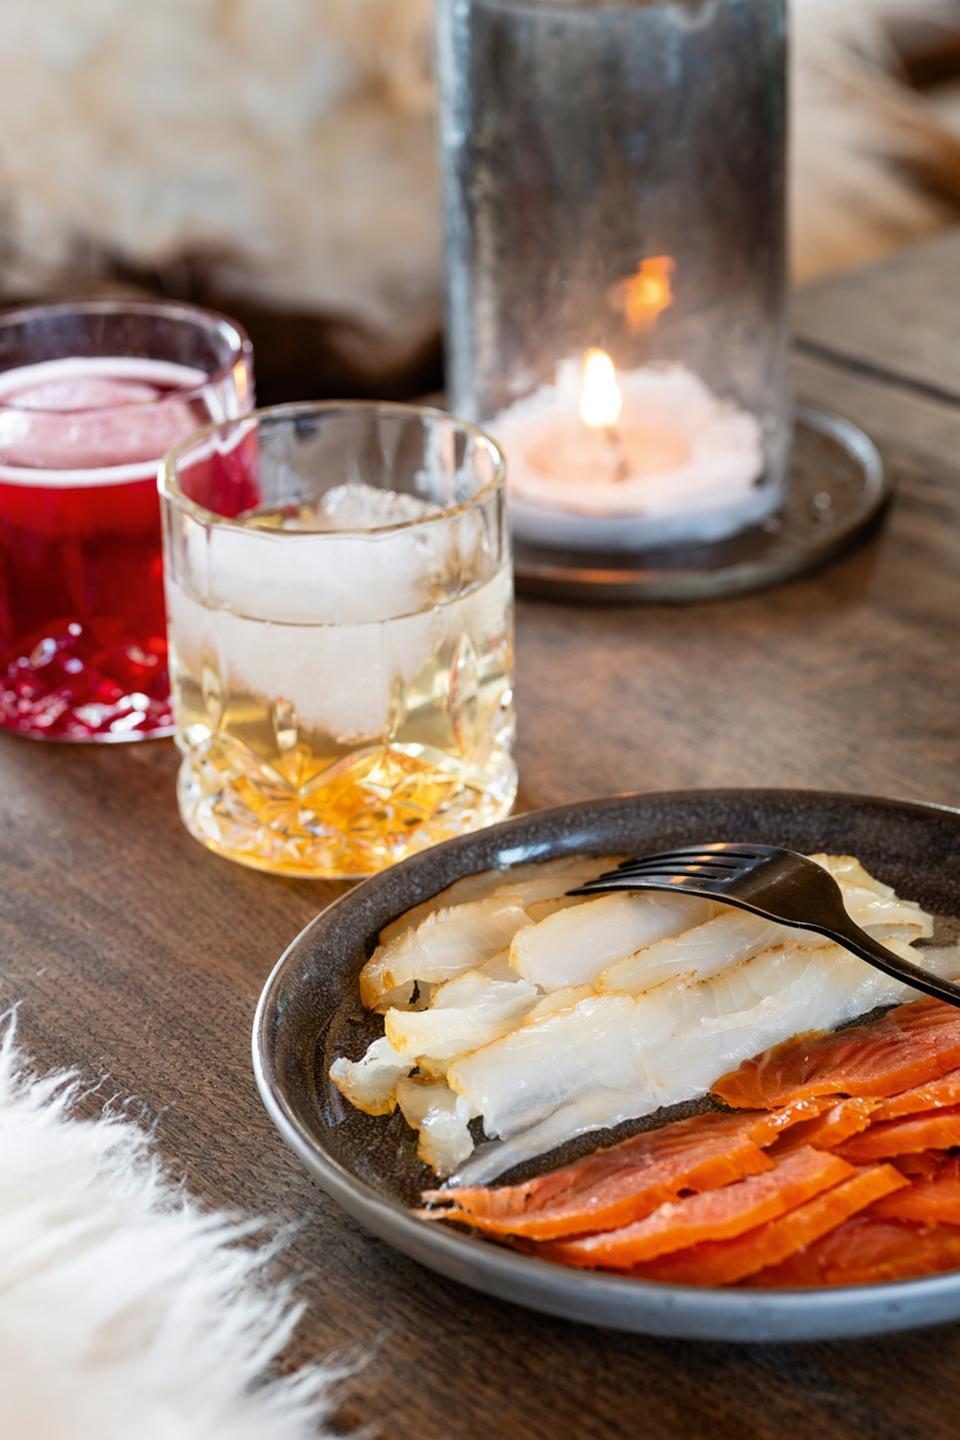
(621, 465)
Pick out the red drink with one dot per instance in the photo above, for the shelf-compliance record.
(83, 650)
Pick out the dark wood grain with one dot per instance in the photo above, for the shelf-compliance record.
(133, 951)
(892, 320)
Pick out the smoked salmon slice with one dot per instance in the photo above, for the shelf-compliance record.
(711, 1215)
(931, 1200)
(617, 1186)
(924, 1163)
(908, 1046)
(933, 1095)
(837, 1123)
(936, 1130)
(724, 1262)
(865, 1250)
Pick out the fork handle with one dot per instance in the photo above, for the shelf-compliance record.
(851, 937)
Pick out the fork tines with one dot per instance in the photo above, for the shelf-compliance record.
(717, 863)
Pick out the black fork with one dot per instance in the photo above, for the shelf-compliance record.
(776, 884)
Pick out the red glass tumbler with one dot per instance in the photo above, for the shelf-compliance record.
(92, 395)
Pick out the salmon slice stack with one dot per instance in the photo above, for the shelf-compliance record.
(712, 1215)
(937, 1093)
(729, 1261)
(837, 1122)
(919, 1166)
(932, 1199)
(834, 1167)
(868, 1249)
(936, 1130)
(617, 1186)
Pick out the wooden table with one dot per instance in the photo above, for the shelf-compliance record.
(133, 951)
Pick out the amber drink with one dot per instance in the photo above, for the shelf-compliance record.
(339, 599)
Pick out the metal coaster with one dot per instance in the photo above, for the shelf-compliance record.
(836, 488)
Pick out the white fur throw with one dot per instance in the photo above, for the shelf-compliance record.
(125, 1310)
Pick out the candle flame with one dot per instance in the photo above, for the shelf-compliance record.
(647, 293)
(600, 398)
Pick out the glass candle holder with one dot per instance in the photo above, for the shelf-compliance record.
(614, 201)
(339, 593)
(91, 396)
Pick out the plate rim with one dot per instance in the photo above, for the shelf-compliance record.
(888, 1302)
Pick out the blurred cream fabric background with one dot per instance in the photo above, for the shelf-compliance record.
(865, 146)
(286, 144)
(283, 151)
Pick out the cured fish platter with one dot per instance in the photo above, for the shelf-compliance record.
(644, 1111)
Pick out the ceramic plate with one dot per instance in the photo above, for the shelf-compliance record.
(309, 1013)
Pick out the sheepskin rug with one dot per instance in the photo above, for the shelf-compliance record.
(125, 1309)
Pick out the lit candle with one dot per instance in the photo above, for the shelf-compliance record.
(601, 404)
(648, 456)
(600, 400)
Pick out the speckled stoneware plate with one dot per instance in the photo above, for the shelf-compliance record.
(309, 1013)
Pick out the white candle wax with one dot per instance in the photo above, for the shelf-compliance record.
(677, 465)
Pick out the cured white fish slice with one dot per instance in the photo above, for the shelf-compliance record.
(463, 937)
(600, 1042)
(736, 935)
(463, 1014)
(452, 992)
(938, 959)
(446, 944)
(441, 1119)
(371, 1082)
(461, 892)
(847, 870)
(484, 882)
(470, 1010)
(899, 919)
(872, 904)
(559, 1000)
(726, 939)
(574, 946)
